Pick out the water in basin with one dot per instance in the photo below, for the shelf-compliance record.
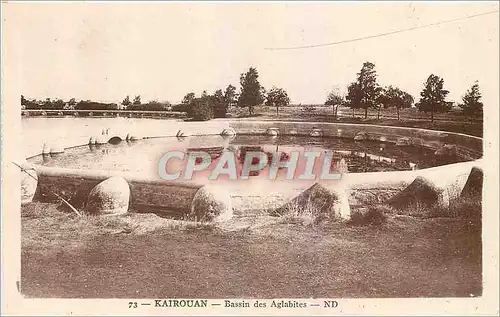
(142, 156)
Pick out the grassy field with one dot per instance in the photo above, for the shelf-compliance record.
(452, 121)
(145, 256)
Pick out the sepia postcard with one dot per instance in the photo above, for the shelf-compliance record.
(249, 158)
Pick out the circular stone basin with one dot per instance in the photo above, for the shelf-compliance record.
(143, 156)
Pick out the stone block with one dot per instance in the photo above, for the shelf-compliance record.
(421, 192)
(323, 202)
(111, 196)
(29, 182)
(211, 203)
(473, 187)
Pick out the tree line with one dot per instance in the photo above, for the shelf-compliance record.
(365, 93)
(152, 105)
(251, 95)
(203, 107)
(72, 104)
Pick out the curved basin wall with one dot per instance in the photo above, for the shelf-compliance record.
(470, 147)
(152, 193)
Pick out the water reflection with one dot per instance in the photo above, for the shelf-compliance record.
(346, 156)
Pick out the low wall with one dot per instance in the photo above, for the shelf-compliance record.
(75, 186)
(103, 113)
(468, 146)
(151, 194)
(164, 128)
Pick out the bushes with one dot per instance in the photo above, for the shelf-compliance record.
(372, 215)
(151, 106)
(93, 105)
(201, 110)
(464, 208)
(459, 207)
(180, 107)
(467, 209)
(205, 108)
(306, 215)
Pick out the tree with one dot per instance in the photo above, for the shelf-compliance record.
(27, 103)
(219, 95)
(137, 100)
(126, 102)
(277, 97)
(188, 98)
(472, 106)
(94, 105)
(432, 97)
(219, 103)
(251, 90)
(335, 99)
(71, 104)
(152, 105)
(353, 97)
(407, 101)
(24, 102)
(47, 104)
(167, 105)
(364, 91)
(230, 96)
(395, 97)
(58, 104)
(201, 109)
(187, 102)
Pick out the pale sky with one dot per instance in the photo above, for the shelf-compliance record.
(104, 51)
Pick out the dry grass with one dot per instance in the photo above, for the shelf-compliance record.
(416, 209)
(372, 215)
(49, 220)
(307, 215)
(465, 208)
(459, 207)
(145, 256)
(409, 118)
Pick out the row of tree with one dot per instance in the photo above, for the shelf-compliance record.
(72, 104)
(60, 104)
(204, 107)
(153, 105)
(208, 106)
(251, 94)
(365, 93)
